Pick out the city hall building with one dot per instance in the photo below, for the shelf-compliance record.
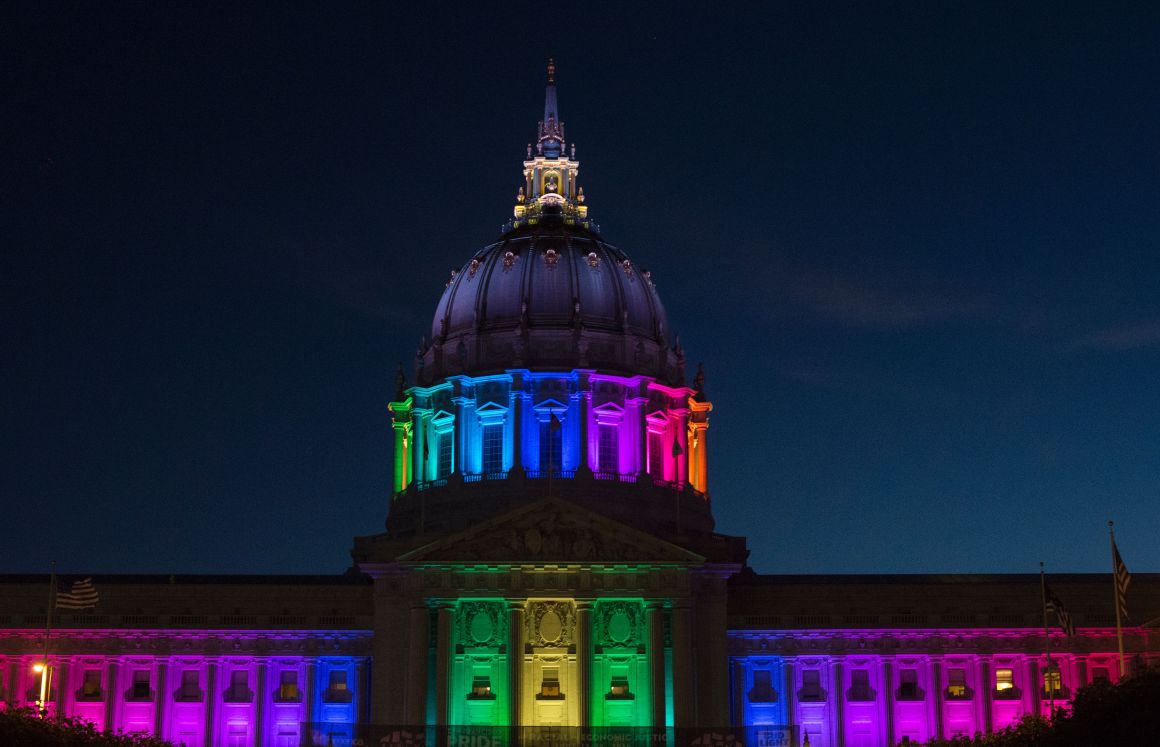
(550, 570)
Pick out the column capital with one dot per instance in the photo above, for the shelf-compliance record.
(519, 605)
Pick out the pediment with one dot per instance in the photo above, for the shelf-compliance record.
(556, 531)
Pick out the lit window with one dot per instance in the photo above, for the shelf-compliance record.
(239, 691)
(608, 456)
(908, 685)
(860, 685)
(337, 692)
(190, 687)
(140, 688)
(811, 685)
(957, 684)
(550, 686)
(481, 688)
(1052, 682)
(90, 685)
(1005, 685)
(618, 689)
(551, 446)
(762, 691)
(288, 686)
(443, 467)
(493, 448)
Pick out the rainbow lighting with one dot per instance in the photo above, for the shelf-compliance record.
(251, 687)
(549, 572)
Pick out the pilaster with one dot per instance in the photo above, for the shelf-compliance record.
(260, 696)
(584, 659)
(654, 619)
(211, 698)
(683, 703)
(443, 663)
(416, 695)
(161, 698)
(515, 661)
(111, 701)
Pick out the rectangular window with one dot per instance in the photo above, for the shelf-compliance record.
(139, 690)
(481, 688)
(190, 686)
(551, 446)
(288, 686)
(1052, 682)
(608, 455)
(618, 689)
(656, 456)
(493, 448)
(811, 685)
(337, 692)
(239, 691)
(957, 684)
(91, 685)
(860, 685)
(1005, 685)
(550, 685)
(443, 466)
(908, 685)
(762, 691)
(1100, 674)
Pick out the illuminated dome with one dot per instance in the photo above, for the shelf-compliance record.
(550, 370)
(548, 296)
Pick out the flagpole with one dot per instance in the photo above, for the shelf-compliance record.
(46, 670)
(1116, 597)
(1047, 679)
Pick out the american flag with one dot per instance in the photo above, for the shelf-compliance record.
(1062, 616)
(82, 596)
(1123, 578)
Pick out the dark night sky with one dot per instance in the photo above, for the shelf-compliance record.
(915, 245)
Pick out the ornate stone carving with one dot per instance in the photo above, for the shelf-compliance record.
(619, 624)
(551, 624)
(552, 530)
(481, 624)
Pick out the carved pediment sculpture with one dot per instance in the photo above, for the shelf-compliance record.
(552, 530)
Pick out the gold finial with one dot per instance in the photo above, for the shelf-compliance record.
(551, 71)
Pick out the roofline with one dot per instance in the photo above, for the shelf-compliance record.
(348, 579)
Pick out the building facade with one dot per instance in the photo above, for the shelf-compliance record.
(550, 568)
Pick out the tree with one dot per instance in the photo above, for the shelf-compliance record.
(22, 727)
(1101, 714)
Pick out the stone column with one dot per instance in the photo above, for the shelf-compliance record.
(1031, 693)
(585, 396)
(888, 700)
(790, 698)
(211, 698)
(982, 693)
(112, 700)
(311, 687)
(459, 463)
(936, 685)
(839, 703)
(419, 440)
(654, 619)
(443, 664)
(260, 695)
(362, 694)
(416, 693)
(515, 661)
(683, 705)
(64, 689)
(584, 660)
(161, 698)
(517, 416)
